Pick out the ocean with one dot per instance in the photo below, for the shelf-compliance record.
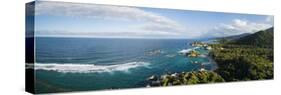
(81, 64)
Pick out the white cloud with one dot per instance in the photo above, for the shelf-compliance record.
(114, 34)
(151, 22)
(236, 27)
(269, 19)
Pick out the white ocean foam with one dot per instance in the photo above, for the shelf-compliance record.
(88, 68)
(184, 51)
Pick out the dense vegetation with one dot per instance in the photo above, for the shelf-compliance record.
(243, 63)
(194, 77)
(186, 78)
(262, 38)
(247, 58)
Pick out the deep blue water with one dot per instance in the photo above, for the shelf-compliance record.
(71, 64)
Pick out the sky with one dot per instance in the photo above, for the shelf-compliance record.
(60, 19)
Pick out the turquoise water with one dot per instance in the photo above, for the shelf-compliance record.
(75, 64)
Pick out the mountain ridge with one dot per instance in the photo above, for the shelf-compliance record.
(262, 38)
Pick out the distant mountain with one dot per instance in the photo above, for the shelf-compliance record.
(263, 38)
(235, 37)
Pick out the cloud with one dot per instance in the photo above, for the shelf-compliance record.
(106, 34)
(269, 19)
(150, 21)
(236, 27)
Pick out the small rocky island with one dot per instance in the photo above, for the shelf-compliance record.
(192, 53)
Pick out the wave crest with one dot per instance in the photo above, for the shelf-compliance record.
(184, 51)
(88, 68)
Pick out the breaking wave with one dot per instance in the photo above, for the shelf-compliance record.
(184, 51)
(88, 68)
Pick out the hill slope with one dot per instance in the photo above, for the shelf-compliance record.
(235, 37)
(263, 38)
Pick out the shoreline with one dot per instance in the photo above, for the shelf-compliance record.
(157, 80)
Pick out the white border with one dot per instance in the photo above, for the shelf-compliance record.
(12, 46)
